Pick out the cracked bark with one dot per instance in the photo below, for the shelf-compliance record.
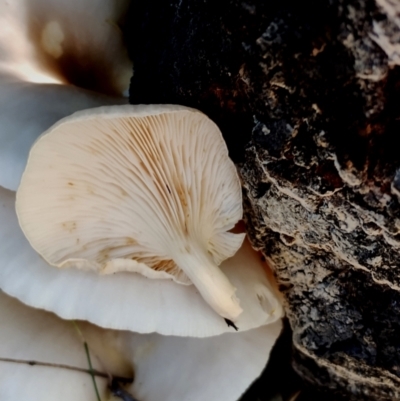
(308, 103)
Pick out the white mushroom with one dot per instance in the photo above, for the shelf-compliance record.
(26, 110)
(145, 189)
(66, 42)
(129, 300)
(165, 368)
(56, 57)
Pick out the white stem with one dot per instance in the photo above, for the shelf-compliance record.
(213, 285)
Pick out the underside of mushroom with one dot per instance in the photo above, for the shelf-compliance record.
(145, 189)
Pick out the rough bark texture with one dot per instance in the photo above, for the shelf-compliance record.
(307, 95)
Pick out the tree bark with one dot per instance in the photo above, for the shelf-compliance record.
(307, 95)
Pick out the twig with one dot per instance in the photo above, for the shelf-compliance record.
(119, 392)
(231, 324)
(80, 334)
(91, 371)
(124, 380)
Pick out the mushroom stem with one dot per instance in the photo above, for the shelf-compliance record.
(212, 283)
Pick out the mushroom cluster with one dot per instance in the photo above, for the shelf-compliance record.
(126, 219)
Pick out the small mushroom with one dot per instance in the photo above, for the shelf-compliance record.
(144, 189)
(42, 358)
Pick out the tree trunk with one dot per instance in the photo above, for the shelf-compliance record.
(307, 95)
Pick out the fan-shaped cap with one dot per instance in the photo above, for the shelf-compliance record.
(145, 189)
(129, 301)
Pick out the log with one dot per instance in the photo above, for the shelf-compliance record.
(307, 95)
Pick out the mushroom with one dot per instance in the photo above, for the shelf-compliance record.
(74, 42)
(55, 58)
(26, 110)
(42, 358)
(143, 189)
(129, 301)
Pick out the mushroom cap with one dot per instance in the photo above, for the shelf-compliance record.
(67, 42)
(197, 369)
(42, 106)
(129, 301)
(145, 189)
(47, 47)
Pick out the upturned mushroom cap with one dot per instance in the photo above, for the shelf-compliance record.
(144, 189)
(129, 301)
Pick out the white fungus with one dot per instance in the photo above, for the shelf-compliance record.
(144, 189)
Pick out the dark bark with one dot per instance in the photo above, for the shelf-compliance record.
(307, 95)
